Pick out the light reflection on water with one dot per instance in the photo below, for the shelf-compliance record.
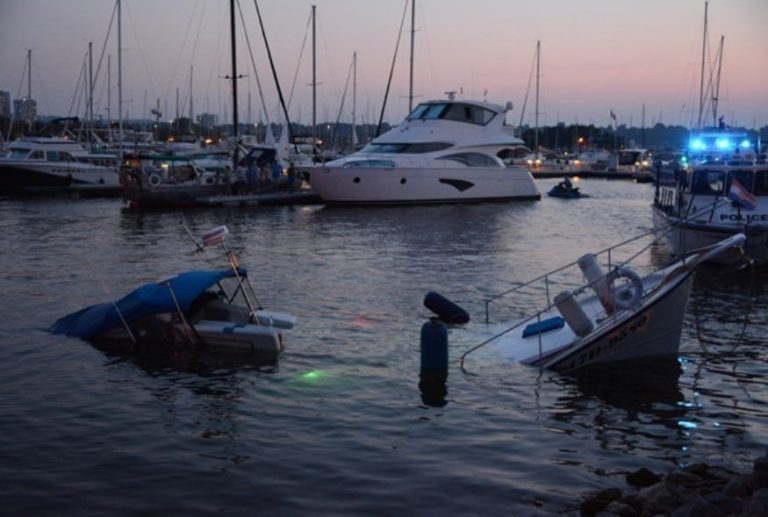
(338, 423)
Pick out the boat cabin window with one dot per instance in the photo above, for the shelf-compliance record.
(629, 157)
(468, 113)
(59, 156)
(369, 164)
(415, 148)
(25, 154)
(457, 111)
(708, 182)
(472, 159)
(743, 177)
(761, 183)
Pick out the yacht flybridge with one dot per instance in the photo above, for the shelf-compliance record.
(444, 152)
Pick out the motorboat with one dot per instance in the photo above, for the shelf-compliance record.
(211, 309)
(614, 317)
(712, 201)
(445, 151)
(566, 190)
(52, 165)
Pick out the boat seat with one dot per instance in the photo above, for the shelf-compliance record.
(543, 326)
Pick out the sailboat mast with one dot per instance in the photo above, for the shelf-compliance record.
(413, 33)
(716, 92)
(119, 79)
(90, 87)
(191, 105)
(703, 62)
(109, 97)
(354, 99)
(235, 157)
(536, 117)
(314, 84)
(29, 73)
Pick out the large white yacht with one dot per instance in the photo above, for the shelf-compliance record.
(45, 165)
(444, 152)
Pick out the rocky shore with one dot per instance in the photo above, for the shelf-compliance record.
(699, 490)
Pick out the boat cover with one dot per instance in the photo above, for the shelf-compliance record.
(147, 300)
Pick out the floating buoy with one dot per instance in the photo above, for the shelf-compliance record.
(445, 309)
(434, 345)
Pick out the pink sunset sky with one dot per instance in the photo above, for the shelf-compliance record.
(597, 56)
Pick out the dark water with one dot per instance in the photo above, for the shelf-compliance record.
(337, 424)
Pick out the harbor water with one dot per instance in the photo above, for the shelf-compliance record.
(338, 423)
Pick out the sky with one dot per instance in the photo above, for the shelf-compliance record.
(597, 56)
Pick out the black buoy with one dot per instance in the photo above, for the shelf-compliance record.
(434, 345)
(445, 309)
(434, 363)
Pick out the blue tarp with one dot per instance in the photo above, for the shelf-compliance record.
(147, 300)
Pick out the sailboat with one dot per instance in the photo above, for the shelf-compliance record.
(245, 182)
(445, 151)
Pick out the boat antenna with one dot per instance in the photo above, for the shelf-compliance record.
(391, 71)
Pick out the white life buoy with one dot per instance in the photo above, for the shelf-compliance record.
(627, 297)
(154, 179)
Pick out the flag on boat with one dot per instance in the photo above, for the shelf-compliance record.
(613, 115)
(215, 236)
(741, 196)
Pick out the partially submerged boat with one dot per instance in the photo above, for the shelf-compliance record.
(614, 317)
(211, 309)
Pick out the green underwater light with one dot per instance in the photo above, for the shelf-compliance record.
(313, 375)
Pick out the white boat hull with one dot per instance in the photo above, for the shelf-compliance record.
(650, 330)
(421, 184)
(686, 236)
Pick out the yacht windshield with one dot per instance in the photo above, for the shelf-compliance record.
(414, 148)
(456, 111)
(761, 183)
(743, 177)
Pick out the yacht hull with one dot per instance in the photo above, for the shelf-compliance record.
(26, 179)
(419, 185)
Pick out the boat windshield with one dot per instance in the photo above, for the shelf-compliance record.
(456, 111)
(369, 164)
(744, 177)
(761, 183)
(708, 182)
(413, 148)
(24, 154)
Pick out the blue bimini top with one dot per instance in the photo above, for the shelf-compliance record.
(147, 300)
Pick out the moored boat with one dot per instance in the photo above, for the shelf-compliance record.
(713, 201)
(50, 166)
(444, 152)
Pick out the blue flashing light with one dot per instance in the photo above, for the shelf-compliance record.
(723, 143)
(746, 144)
(697, 144)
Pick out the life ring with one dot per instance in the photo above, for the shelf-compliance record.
(154, 179)
(626, 297)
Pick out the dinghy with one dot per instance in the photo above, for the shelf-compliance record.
(618, 316)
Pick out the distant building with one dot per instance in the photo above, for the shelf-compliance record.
(25, 109)
(5, 104)
(207, 120)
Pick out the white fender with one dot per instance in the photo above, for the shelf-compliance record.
(598, 280)
(573, 314)
(627, 297)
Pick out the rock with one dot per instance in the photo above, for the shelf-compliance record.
(760, 473)
(739, 486)
(655, 499)
(642, 478)
(700, 469)
(757, 505)
(620, 509)
(697, 507)
(682, 478)
(593, 505)
(609, 494)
